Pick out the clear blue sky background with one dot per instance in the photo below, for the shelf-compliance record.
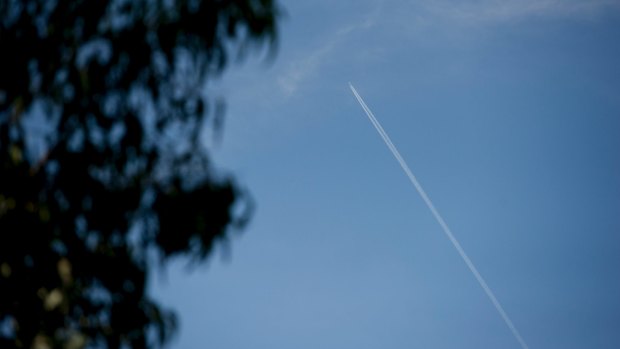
(507, 111)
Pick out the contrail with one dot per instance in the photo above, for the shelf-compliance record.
(439, 219)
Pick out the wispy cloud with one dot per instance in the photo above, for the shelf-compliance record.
(500, 10)
(310, 59)
(298, 71)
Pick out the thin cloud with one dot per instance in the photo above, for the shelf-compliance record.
(431, 12)
(494, 10)
(301, 70)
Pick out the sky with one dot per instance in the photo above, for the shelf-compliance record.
(508, 113)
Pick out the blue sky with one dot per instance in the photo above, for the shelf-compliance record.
(508, 112)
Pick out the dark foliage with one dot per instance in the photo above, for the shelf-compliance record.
(103, 111)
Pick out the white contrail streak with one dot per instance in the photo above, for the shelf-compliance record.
(439, 219)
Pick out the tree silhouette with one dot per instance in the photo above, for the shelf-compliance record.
(103, 111)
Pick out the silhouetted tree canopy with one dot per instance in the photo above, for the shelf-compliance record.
(103, 166)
